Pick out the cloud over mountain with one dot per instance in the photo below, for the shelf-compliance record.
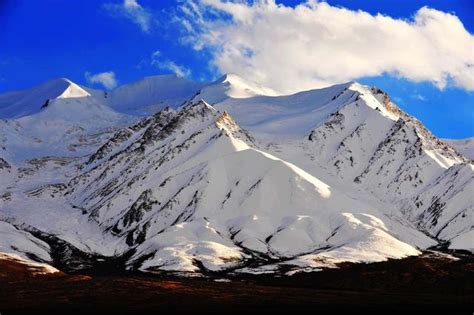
(316, 44)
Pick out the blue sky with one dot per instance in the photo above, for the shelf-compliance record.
(42, 40)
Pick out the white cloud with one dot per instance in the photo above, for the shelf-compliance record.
(107, 79)
(165, 64)
(315, 44)
(133, 11)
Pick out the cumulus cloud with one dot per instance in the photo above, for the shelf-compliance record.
(106, 79)
(133, 11)
(315, 44)
(165, 64)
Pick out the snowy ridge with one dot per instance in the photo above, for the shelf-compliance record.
(151, 94)
(72, 124)
(232, 86)
(279, 116)
(357, 134)
(30, 101)
(187, 193)
(23, 245)
(401, 162)
(236, 179)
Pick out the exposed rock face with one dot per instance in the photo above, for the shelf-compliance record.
(320, 177)
(4, 164)
(397, 159)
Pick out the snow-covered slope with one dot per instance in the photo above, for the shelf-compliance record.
(16, 242)
(279, 117)
(250, 183)
(30, 101)
(8, 173)
(231, 86)
(187, 191)
(357, 135)
(72, 123)
(151, 94)
(61, 118)
(191, 201)
(392, 156)
(463, 146)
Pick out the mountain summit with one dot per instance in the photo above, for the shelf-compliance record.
(30, 101)
(226, 177)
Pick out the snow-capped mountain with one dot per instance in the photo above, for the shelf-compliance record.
(357, 135)
(64, 120)
(151, 94)
(30, 101)
(231, 86)
(236, 179)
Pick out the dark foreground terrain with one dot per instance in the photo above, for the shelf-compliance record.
(427, 283)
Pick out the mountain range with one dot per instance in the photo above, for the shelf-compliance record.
(166, 174)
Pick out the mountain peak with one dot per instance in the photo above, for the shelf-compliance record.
(58, 84)
(151, 94)
(321, 177)
(229, 77)
(73, 90)
(30, 101)
(226, 121)
(232, 86)
(198, 107)
(239, 87)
